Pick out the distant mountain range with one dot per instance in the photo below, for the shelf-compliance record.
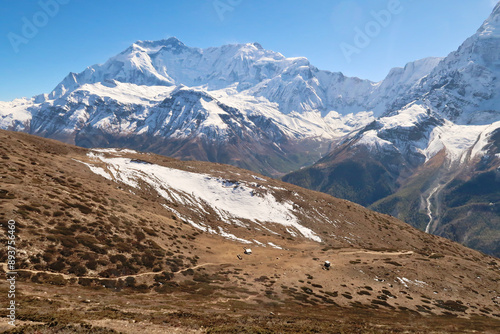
(422, 145)
(236, 104)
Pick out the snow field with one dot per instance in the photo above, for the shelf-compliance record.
(228, 200)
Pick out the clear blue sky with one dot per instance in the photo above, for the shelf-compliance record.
(86, 32)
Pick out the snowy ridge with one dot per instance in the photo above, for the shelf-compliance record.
(463, 87)
(491, 27)
(372, 141)
(204, 103)
(15, 114)
(462, 143)
(303, 101)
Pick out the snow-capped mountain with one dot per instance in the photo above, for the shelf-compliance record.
(293, 83)
(238, 104)
(464, 87)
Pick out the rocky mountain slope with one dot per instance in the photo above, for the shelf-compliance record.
(435, 143)
(107, 234)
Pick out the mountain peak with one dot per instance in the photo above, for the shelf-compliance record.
(258, 46)
(172, 43)
(491, 27)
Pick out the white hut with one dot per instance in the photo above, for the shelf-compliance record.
(327, 264)
(248, 251)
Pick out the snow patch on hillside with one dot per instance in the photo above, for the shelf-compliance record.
(126, 92)
(372, 141)
(405, 118)
(405, 281)
(457, 140)
(213, 118)
(228, 199)
(484, 139)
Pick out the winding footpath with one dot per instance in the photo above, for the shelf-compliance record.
(66, 276)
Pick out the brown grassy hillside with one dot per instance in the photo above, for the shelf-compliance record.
(99, 255)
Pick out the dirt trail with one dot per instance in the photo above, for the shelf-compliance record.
(378, 252)
(66, 276)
